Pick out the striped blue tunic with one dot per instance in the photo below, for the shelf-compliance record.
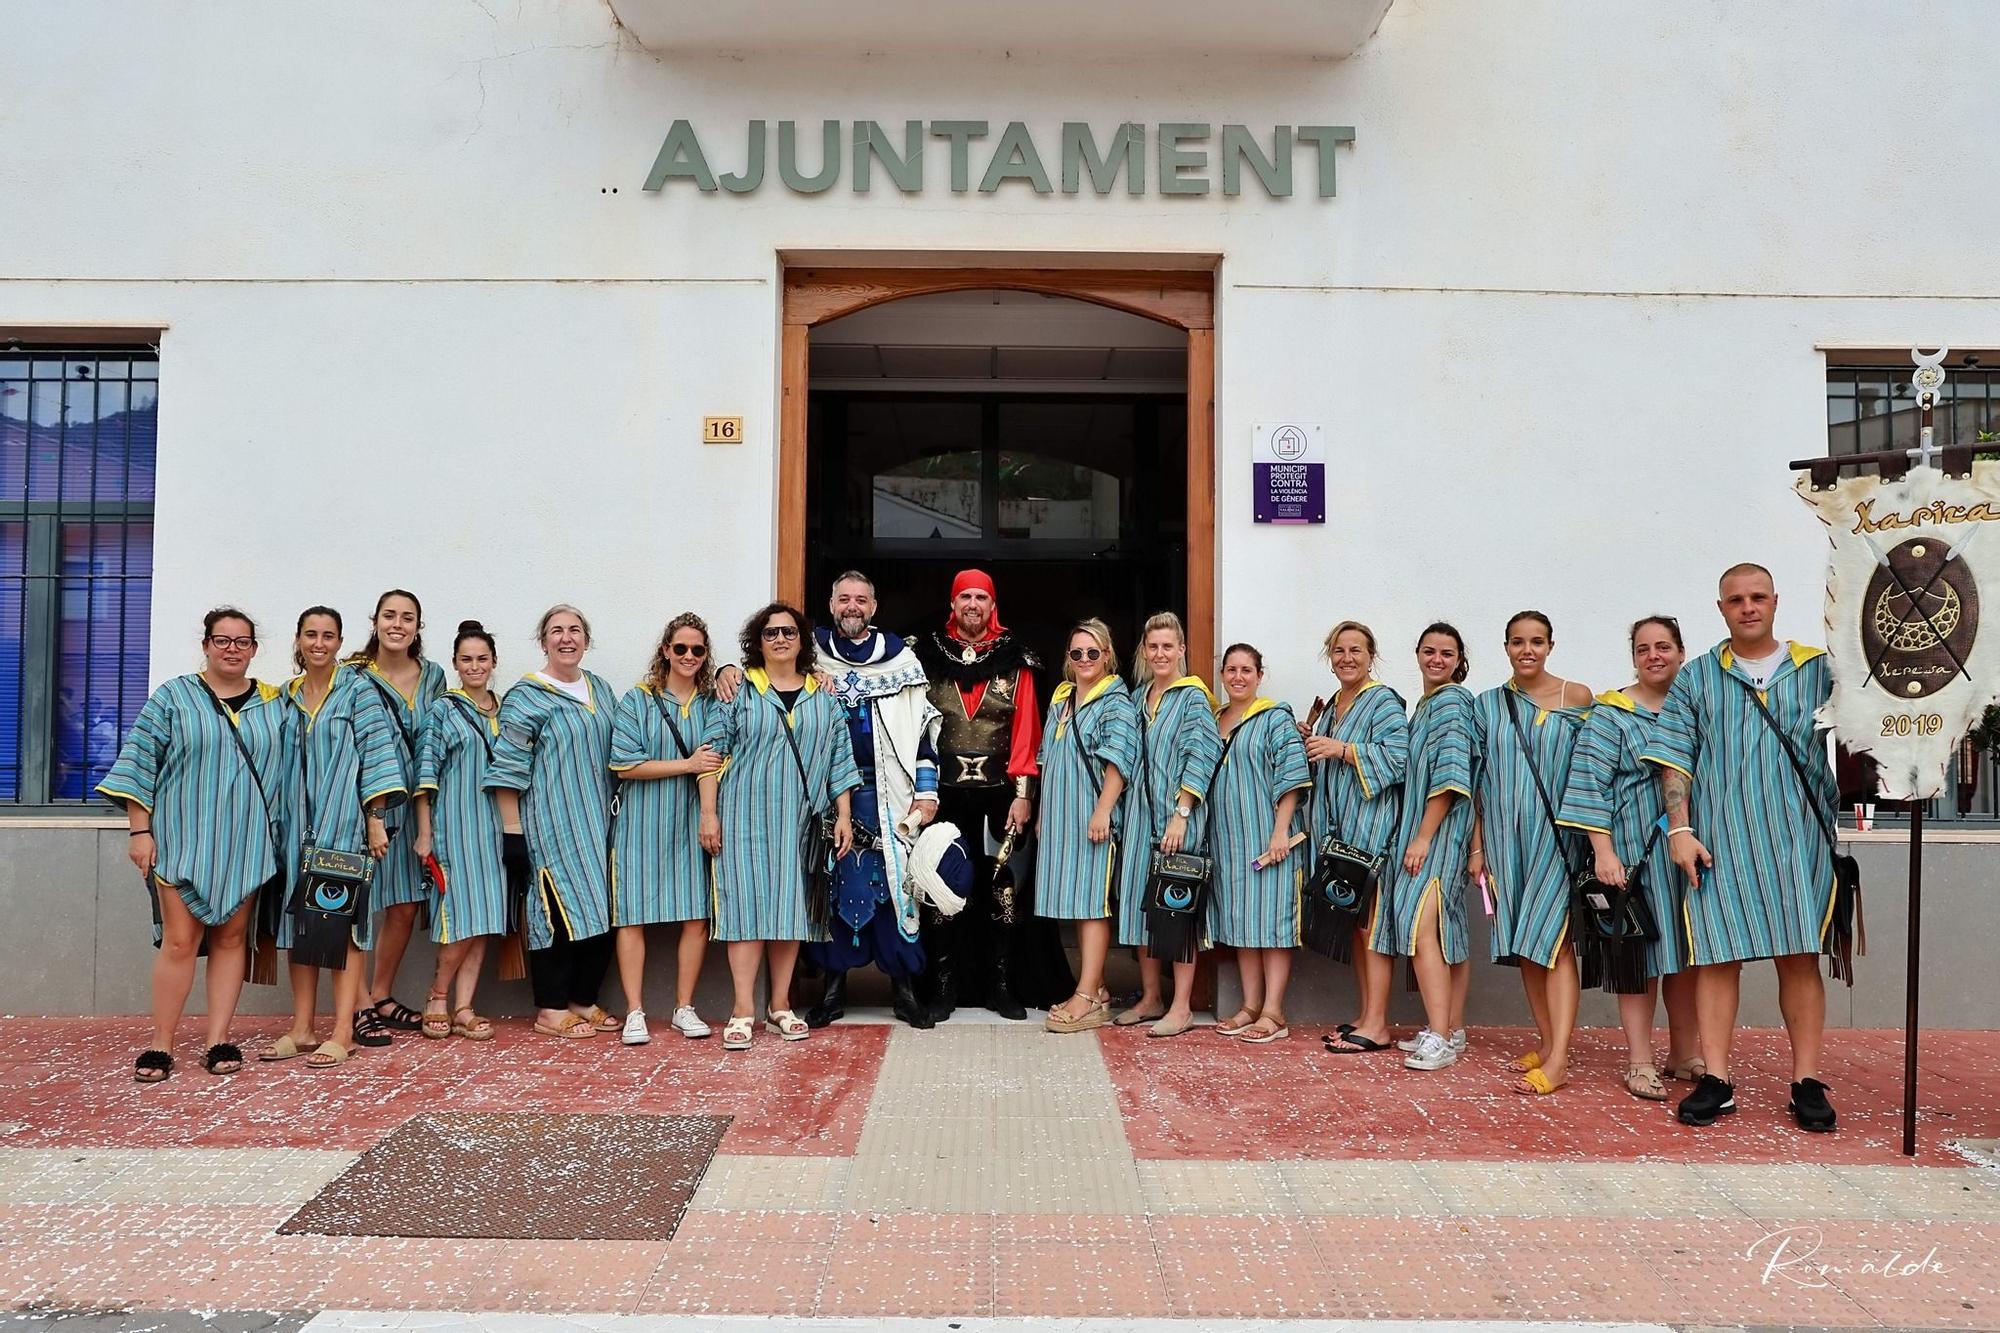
(1444, 757)
(1527, 866)
(556, 751)
(454, 751)
(349, 758)
(1770, 891)
(658, 870)
(398, 877)
(1178, 750)
(211, 826)
(759, 881)
(1359, 800)
(1251, 907)
(1073, 875)
(1614, 792)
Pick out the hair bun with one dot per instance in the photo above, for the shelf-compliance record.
(471, 627)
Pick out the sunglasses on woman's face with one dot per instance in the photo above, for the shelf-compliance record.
(1085, 654)
(780, 632)
(694, 650)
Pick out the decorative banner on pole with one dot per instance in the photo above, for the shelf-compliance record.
(1288, 474)
(1913, 666)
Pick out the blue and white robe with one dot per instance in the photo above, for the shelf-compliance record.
(892, 726)
(398, 876)
(212, 825)
(555, 750)
(1770, 892)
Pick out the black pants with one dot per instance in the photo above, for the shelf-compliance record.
(568, 971)
(990, 926)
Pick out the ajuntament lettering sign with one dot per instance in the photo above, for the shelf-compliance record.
(1169, 158)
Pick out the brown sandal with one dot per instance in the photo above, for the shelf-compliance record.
(1643, 1082)
(573, 1027)
(473, 1028)
(436, 1024)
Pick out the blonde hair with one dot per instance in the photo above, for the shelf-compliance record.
(1326, 648)
(1164, 620)
(659, 670)
(1098, 631)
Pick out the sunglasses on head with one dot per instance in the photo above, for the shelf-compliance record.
(1085, 654)
(688, 649)
(780, 632)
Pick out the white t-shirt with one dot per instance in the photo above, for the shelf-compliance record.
(1761, 669)
(578, 689)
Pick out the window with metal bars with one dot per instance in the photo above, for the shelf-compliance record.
(78, 427)
(1870, 406)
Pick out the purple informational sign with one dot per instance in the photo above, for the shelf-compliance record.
(1288, 475)
(1290, 492)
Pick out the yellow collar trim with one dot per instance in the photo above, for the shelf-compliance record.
(1185, 682)
(1618, 699)
(1258, 705)
(762, 680)
(646, 687)
(1068, 687)
(409, 701)
(540, 681)
(1799, 653)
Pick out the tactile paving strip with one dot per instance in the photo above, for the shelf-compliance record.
(521, 1177)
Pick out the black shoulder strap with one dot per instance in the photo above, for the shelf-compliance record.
(1528, 756)
(1076, 734)
(1798, 765)
(666, 716)
(1208, 824)
(398, 706)
(235, 734)
(798, 759)
(478, 721)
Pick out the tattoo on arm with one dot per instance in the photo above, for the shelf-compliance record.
(1674, 795)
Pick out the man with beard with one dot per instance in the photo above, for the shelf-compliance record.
(982, 681)
(894, 729)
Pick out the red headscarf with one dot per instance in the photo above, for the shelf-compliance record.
(975, 578)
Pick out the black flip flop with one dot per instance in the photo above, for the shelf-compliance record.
(152, 1067)
(1353, 1043)
(371, 1029)
(223, 1053)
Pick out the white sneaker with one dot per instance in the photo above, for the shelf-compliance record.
(1434, 1052)
(635, 1033)
(688, 1023)
(1411, 1043)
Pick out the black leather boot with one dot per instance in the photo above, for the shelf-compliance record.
(943, 974)
(832, 1004)
(1000, 986)
(906, 1006)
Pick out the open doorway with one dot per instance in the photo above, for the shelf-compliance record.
(1040, 437)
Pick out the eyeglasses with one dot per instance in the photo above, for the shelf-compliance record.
(1085, 654)
(241, 642)
(694, 650)
(780, 632)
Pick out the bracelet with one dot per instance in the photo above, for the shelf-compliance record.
(140, 833)
(1477, 851)
(1684, 828)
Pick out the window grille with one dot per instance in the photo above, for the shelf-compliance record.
(78, 429)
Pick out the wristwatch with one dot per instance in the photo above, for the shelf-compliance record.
(1183, 809)
(375, 814)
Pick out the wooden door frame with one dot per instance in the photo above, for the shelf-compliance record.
(1181, 297)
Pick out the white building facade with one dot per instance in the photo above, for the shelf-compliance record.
(1561, 283)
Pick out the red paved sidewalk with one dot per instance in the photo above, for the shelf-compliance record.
(69, 1081)
(1203, 1097)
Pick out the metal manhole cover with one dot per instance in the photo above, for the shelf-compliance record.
(521, 1177)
